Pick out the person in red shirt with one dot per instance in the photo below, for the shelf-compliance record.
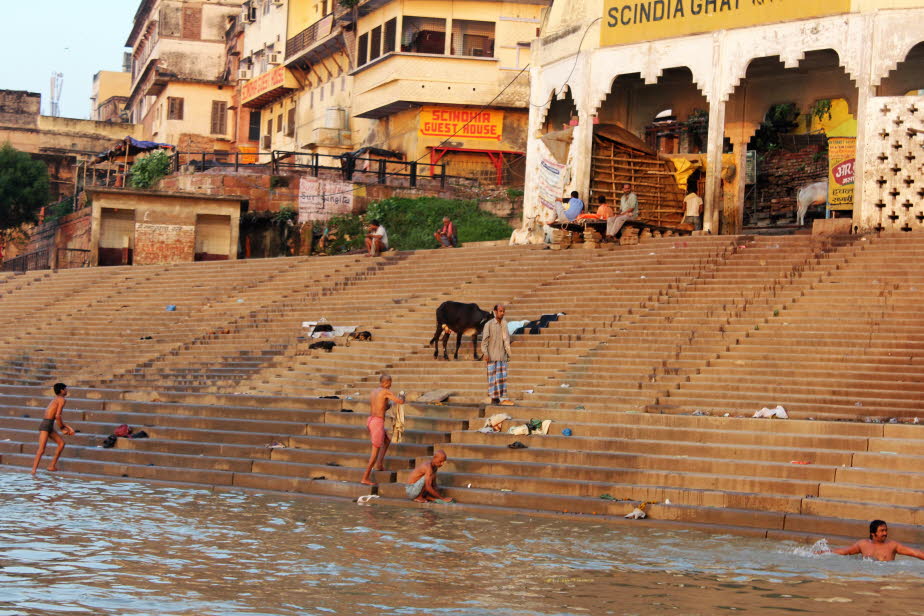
(446, 236)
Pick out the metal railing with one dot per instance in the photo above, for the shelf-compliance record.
(359, 169)
(36, 260)
(68, 258)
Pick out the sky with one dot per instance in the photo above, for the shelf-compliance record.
(73, 37)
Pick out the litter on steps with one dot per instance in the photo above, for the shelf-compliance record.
(366, 499)
(778, 412)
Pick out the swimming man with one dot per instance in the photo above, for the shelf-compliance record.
(878, 546)
(381, 399)
(47, 428)
(421, 485)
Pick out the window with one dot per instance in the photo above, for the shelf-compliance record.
(375, 43)
(219, 117)
(269, 127)
(174, 108)
(290, 123)
(391, 31)
(472, 38)
(363, 49)
(279, 123)
(266, 7)
(423, 35)
(253, 130)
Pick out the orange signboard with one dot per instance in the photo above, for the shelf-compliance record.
(446, 122)
(279, 77)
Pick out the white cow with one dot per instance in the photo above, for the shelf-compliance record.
(529, 233)
(815, 193)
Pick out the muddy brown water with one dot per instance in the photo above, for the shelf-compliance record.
(73, 546)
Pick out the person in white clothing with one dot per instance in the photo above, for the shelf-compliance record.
(694, 211)
(376, 239)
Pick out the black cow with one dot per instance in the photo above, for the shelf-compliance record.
(460, 318)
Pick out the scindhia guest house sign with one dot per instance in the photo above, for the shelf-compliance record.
(632, 22)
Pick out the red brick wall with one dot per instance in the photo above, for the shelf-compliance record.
(161, 243)
(192, 23)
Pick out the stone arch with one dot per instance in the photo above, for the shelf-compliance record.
(907, 75)
(559, 110)
(633, 104)
(799, 157)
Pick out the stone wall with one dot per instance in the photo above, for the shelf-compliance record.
(157, 242)
(893, 173)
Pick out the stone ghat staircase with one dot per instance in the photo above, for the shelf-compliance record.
(653, 328)
(783, 479)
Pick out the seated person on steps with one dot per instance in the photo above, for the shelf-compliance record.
(566, 214)
(628, 210)
(446, 235)
(376, 239)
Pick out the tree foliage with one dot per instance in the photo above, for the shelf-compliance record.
(23, 187)
(148, 170)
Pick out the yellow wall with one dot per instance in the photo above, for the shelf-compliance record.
(303, 13)
(197, 111)
(107, 84)
(809, 123)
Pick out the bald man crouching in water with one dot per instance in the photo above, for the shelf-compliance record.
(421, 485)
(379, 402)
(878, 546)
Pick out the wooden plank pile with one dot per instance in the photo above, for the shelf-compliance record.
(617, 162)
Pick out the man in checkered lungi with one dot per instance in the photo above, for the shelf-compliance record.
(495, 347)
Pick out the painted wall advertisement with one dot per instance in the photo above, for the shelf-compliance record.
(551, 182)
(321, 199)
(644, 20)
(462, 123)
(842, 152)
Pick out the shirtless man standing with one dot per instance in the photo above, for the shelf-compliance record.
(421, 485)
(47, 428)
(381, 399)
(878, 546)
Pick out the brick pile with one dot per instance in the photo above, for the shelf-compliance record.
(780, 176)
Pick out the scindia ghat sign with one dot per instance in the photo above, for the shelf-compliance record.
(645, 20)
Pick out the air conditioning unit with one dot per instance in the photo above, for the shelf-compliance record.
(244, 74)
(275, 58)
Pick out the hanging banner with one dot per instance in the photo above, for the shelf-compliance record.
(646, 20)
(551, 182)
(842, 152)
(447, 122)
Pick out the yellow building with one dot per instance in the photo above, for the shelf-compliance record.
(436, 81)
(180, 90)
(109, 96)
(444, 82)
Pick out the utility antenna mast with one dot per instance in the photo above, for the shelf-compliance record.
(57, 84)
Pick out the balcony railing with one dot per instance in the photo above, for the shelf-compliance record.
(310, 35)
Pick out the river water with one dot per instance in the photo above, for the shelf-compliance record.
(72, 546)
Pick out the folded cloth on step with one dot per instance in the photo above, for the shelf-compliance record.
(779, 412)
(495, 420)
(636, 514)
(513, 326)
(519, 430)
(413, 490)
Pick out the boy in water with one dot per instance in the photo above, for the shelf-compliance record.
(381, 399)
(47, 428)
